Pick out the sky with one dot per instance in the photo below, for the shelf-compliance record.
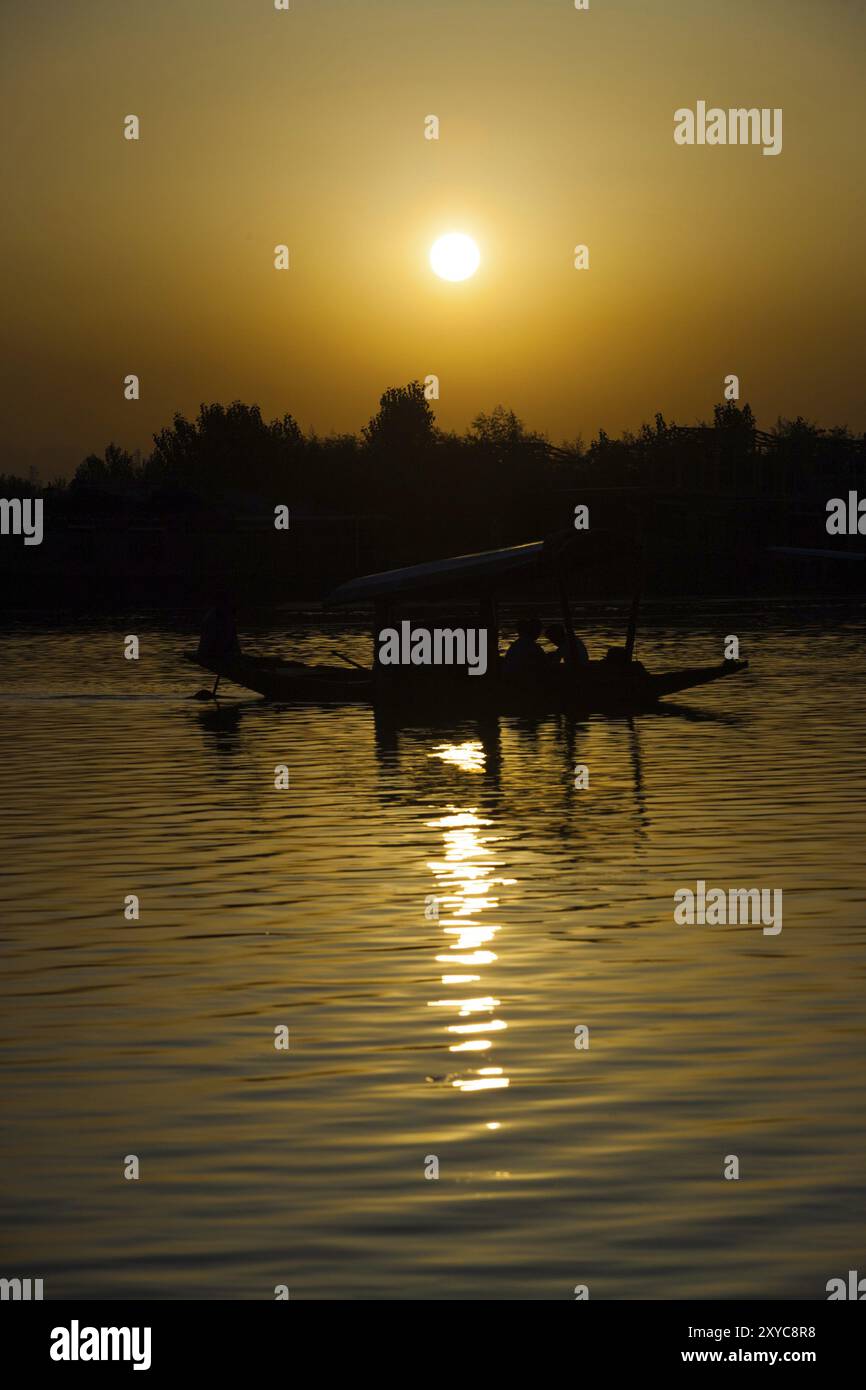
(306, 127)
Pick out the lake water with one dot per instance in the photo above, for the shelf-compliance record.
(413, 1038)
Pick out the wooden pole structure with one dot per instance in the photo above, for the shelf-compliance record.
(489, 619)
(632, 626)
(381, 619)
(567, 622)
(635, 604)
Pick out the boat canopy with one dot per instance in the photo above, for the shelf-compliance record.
(440, 574)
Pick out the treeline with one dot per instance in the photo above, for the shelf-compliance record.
(440, 492)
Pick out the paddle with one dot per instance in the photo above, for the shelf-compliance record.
(206, 694)
(349, 660)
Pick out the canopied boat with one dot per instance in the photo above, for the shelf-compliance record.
(618, 682)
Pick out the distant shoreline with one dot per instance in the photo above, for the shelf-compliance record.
(655, 610)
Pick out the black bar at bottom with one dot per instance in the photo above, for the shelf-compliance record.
(303, 1340)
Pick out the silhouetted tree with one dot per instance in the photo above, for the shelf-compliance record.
(116, 468)
(500, 427)
(734, 420)
(13, 486)
(227, 447)
(404, 423)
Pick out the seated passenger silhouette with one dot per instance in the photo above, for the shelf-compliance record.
(563, 651)
(524, 659)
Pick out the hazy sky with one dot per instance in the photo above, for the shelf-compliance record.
(260, 127)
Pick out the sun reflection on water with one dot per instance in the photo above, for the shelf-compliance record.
(466, 879)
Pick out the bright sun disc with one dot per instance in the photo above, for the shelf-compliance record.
(455, 256)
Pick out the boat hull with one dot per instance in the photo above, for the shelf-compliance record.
(598, 687)
(291, 680)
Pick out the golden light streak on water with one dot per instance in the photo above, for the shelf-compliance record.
(466, 889)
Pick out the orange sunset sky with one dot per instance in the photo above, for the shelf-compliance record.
(306, 127)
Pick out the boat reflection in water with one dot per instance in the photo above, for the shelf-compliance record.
(467, 878)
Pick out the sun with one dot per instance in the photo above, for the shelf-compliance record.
(455, 256)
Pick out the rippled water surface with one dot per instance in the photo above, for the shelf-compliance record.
(412, 1037)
